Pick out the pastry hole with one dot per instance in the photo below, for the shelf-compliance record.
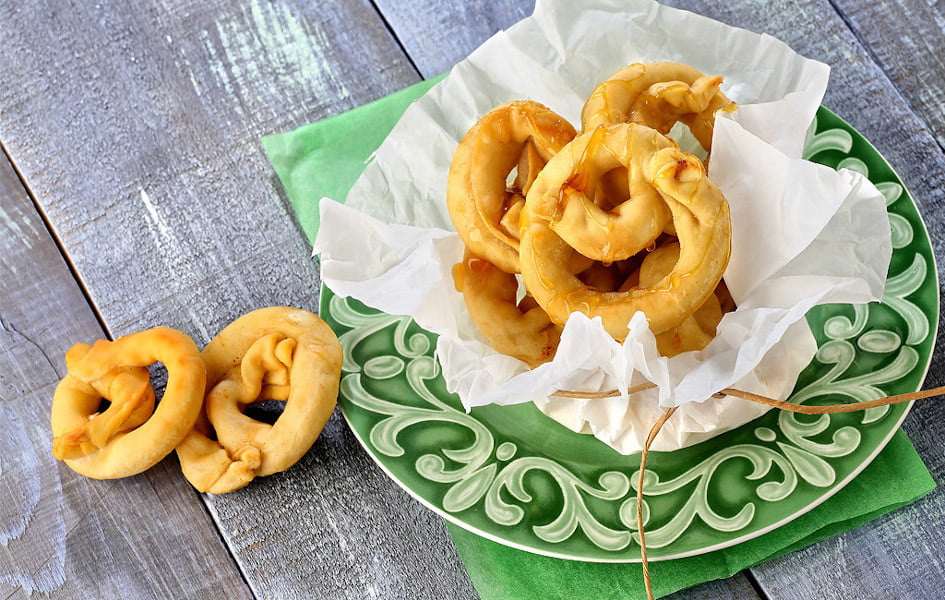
(158, 380)
(614, 189)
(687, 142)
(520, 291)
(510, 179)
(266, 412)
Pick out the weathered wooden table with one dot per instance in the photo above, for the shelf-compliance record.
(134, 192)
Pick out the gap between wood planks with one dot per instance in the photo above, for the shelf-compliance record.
(876, 61)
(754, 583)
(56, 241)
(106, 331)
(396, 38)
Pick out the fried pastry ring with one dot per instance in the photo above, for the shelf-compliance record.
(520, 135)
(697, 330)
(518, 329)
(129, 436)
(594, 215)
(274, 353)
(658, 95)
(700, 218)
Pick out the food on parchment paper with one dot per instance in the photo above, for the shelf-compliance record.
(658, 95)
(611, 222)
(518, 135)
(561, 217)
(274, 353)
(129, 436)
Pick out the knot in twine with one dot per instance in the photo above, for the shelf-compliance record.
(781, 404)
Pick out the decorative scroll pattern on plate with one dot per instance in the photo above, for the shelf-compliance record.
(864, 352)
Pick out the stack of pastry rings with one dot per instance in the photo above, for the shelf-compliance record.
(275, 353)
(608, 222)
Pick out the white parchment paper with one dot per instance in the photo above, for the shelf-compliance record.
(803, 234)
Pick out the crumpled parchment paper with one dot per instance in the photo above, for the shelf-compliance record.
(803, 234)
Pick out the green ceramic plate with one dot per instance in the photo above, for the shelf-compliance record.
(513, 475)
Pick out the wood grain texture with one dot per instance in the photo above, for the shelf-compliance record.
(733, 588)
(907, 39)
(438, 34)
(136, 126)
(62, 534)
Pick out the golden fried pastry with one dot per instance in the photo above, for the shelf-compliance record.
(655, 165)
(484, 207)
(694, 333)
(697, 330)
(613, 222)
(129, 436)
(658, 95)
(518, 329)
(274, 353)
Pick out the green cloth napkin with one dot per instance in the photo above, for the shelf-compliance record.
(325, 159)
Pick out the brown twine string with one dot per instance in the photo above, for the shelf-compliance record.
(788, 406)
(646, 449)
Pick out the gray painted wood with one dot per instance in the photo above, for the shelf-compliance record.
(110, 101)
(437, 34)
(733, 588)
(63, 534)
(902, 553)
(907, 39)
(136, 127)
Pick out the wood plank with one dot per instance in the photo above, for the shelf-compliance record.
(733, 588)
(864, 96)
(62, 534)
(136, 126)
(437, 34)
(907, 39)
(37, 159)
